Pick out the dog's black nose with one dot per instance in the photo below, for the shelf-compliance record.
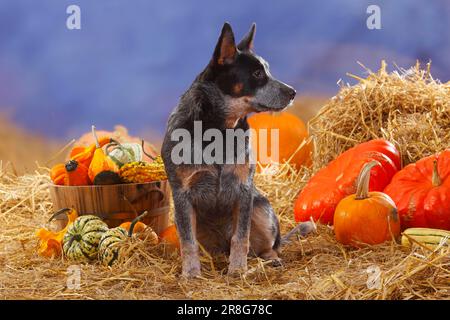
(289, 92)
(292, 93)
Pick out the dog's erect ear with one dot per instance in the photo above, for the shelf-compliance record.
(246, 43)
(225, 51)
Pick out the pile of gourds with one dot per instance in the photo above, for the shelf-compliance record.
(106, 162)
(87, 238)
(369, 198)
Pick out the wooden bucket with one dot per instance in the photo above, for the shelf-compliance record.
(117, 203)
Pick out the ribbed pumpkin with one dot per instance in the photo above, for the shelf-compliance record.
(109, 248)
(80, 243)
(292, 133)
(422, 192)
(72, 173)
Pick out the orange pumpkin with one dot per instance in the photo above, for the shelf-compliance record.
(170, 236)
(77, 174)
(366, 217)
(422, 192)
(292, 133)
(71, 173)
(138, 227)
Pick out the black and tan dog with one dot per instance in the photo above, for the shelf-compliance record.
(217, 204)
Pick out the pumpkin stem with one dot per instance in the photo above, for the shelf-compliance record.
(435, 179)
(94, 134)
(143, 150)
(136, 220)
(71, 165)
(57, 213)
(362, 189)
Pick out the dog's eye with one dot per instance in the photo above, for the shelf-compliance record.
(258, 74)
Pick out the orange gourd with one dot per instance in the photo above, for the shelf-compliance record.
(71, 173)
(422, 192)
(138, 227)
(170, 236)
(50, 241)
(366, 217)
(292, 133)
(135, 226)
(84, 155)
(102, 164)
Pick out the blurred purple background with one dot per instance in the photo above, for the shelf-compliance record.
(132, 60)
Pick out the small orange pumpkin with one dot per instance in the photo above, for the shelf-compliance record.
(138, 227)
(71, 173)
(77, 174)
(366, 217)
(170, 236)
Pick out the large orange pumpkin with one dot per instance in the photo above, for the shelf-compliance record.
(366, 217)
(422, 192)
(331, 184)
(292, 133)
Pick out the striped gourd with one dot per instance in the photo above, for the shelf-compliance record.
(80, 243)
(110, 245)
(428, 237)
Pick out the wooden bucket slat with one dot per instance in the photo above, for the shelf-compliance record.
(116, 204)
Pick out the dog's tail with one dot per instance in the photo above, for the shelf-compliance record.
(302, 229)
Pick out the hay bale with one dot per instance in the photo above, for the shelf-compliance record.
(406, 107)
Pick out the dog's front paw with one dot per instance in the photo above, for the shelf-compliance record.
(238, 257)
(191, 261)
(191, 270)
(236, 270)
(238, 265)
